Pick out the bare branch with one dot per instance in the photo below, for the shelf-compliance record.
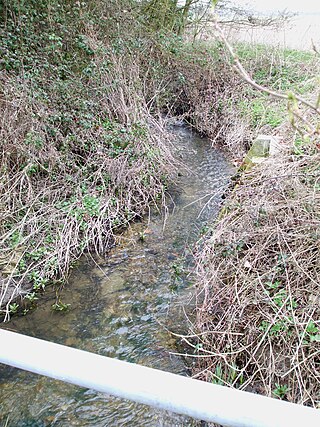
(245, 75)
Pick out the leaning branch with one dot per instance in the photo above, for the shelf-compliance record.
(245, 75)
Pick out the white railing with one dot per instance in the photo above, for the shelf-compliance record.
(197, 399)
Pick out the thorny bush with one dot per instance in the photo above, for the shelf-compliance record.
(258, 303)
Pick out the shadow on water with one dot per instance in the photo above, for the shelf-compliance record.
(122, 306)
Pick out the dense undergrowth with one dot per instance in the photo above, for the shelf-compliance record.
(84, 148)
(258, 306)
(259, 272)
(85, 88)
(81, 154)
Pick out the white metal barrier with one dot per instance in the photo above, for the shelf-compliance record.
(197, 399)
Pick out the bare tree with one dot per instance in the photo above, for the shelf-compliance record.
(231, 13)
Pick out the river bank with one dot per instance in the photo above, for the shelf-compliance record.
(258, 312)
(85, 153)
(124, 306)
(84, 147)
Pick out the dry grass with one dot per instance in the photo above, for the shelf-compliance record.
(258, 303)
(70, 176)
(258, 309)
(83, 149)
(207, 98)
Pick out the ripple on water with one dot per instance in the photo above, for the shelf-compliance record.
(118, 307)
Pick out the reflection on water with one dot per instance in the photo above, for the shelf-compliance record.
(122, 306)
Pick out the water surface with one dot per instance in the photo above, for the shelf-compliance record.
(123, 306)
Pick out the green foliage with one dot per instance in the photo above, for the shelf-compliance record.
(280, 391)
(218, 377)
(42, 34)
(142, 236)
(91, 205)
(274, 285)
(282, 326)
(302, 146)
(31, 297)
(227, 376)
(312, 333)
(280, 69)
(37, 254)
(260, 112)
(60, 306)
(15, 238)
(82, 153)
(38, 281)
(177, 268)
(14, 307)
(232, 249)
(34, 140)
(285, 71)
(280, 297)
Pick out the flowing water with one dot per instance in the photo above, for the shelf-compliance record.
(123, 306)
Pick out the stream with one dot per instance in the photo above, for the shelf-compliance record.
(124, 306)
